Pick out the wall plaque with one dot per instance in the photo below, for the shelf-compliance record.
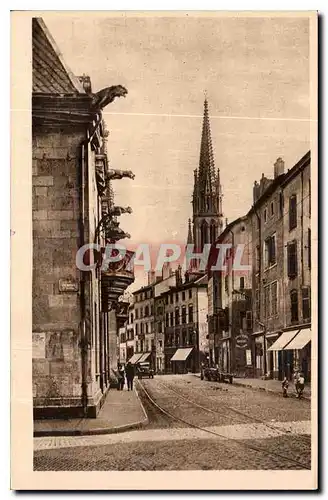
(68, 286)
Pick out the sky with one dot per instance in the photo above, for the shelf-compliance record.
(255, 72)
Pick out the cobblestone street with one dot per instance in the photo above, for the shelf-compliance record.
(204, 426)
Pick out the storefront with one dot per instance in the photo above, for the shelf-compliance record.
(292, 351)
(182, 361)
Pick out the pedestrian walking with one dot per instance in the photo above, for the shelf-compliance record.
(120, 371)
(129, 372)
(300, 388)
(284, 386)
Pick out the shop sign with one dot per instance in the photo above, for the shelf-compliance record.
(68, 286)
(248, 357)
(242, 341)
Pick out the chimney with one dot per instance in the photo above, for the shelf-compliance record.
(256, 191)
(279, 167)
(151, 277)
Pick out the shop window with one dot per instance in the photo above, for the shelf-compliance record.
(306, 303)
(294, 305)
(292, 259)
(292, 212)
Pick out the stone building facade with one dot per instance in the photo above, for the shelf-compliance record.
(144, 324)
(230, 296)
(74, 325)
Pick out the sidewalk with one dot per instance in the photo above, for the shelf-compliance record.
(270, 386)
(121, 411)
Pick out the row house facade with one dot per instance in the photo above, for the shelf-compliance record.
(74, 307)
(144, 324)
(230, 300)
(276, 336)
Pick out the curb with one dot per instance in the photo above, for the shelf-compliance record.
(96, 431)
(263, 389)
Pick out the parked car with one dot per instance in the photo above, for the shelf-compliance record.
(214, 374)
(143, 370)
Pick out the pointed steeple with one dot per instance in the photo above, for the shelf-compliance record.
(206, 159)
(189, 238)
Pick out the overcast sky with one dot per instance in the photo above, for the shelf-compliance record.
(256, 74)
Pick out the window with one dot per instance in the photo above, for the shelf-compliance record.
(306, 303)
(183, 295)
(292, 212)
(137, 313)
(166, 300)
(160, 344)
(177, 297)
(265, 215)
(242, 320)
(266, 301)
(274, 298)
(167, 320)
(190, 293)
(309, 197)
(146, 328)
(141, 328)
(146, 311)
(177, 316)
(257, 303)
(258, 258)
(152, 310)
(249, 321)
(272, 209)
(137, 329)
(171, 299)
(152, 345)
(241, 283)
(184, 314)
(309, 248)
(270, 251)
(171, 319)
(281, 205)
(131, 318)
(190, 313)
(226, 283)
(292, 259)
(294, 305)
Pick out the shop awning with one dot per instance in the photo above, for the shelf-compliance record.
(181, 354)
(144, 357)
(135, 358)
(302, 338)
(283, 340)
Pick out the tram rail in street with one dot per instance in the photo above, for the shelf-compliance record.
(206, 430)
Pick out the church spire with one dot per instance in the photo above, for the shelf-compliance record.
(189, 238)
(206, 159)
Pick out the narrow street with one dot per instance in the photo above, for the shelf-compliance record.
(193, 425)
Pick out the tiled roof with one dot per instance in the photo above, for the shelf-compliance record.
(50, 73)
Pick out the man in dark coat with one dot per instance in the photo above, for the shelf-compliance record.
(129, 373)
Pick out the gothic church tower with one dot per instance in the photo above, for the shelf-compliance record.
(207, 195)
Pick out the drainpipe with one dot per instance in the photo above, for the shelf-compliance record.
(260, 284)
(84, 340)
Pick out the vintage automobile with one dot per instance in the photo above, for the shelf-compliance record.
(215, 375)
(143, 370)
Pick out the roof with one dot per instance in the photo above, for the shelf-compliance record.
(300, 165)
(51, 75)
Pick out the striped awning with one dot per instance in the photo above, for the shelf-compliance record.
(301, 340)
(283, 340)
(181, 354)
(135, 358)
(144, 357)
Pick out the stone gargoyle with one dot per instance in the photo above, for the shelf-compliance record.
(113, 174)
(107, 95)
(117, 211)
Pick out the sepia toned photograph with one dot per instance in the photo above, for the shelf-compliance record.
(173, 244)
